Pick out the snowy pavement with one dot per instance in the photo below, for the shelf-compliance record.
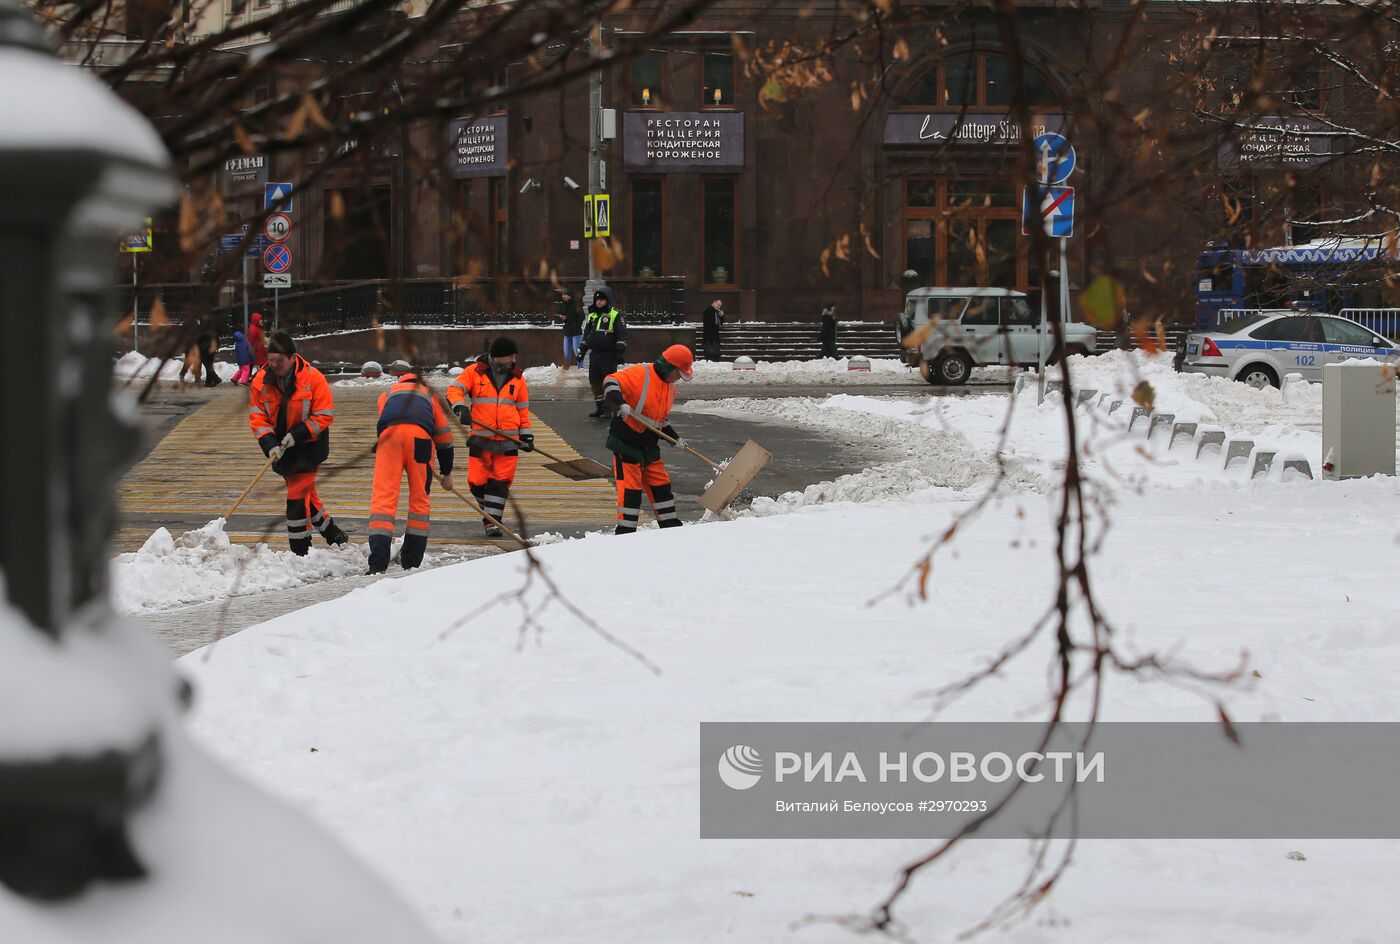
(517, 780)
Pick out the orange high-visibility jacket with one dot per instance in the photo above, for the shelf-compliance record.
(506, 409)
(645, 392)
(310, 409)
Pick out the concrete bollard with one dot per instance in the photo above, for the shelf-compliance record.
(371, 369)
(858, 363)
(744, 362)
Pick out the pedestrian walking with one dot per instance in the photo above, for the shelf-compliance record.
(204, 345)
(605, 341)
(290, 409)
(243, 353)
(412, 428)
(571, 312)
(640, 399)
(829, 331)
(710, 322)
(258, 340)
(491, 397)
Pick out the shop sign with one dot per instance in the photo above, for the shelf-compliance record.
(936, 129)
(682, 141)
(478, 147)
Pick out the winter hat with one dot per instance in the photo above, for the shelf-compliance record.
(282, 343)
(503, 347)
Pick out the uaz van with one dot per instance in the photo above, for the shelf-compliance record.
(945, 332)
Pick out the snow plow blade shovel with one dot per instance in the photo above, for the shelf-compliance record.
(735, 476)
(579, 470)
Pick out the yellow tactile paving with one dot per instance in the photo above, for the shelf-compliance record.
(203, 464)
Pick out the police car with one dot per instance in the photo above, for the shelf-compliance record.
(1261, 348)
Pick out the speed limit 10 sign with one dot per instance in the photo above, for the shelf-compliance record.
(278, 227)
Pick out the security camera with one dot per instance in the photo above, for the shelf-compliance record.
(570, 182)
(529, 183)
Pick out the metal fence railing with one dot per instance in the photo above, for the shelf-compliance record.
(1383, 321)
(350, 306)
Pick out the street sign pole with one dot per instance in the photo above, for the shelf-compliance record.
(135, 303)
(245, 292)
(1064, 286)
(276, 309)
(1040, 347)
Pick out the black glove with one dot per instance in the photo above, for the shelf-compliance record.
(464, 414)
(527, 442)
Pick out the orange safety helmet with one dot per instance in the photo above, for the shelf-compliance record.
(680, 357)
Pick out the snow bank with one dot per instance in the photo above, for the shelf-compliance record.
(204, 565)
(826, 371)
(139, 366)
(477, 770)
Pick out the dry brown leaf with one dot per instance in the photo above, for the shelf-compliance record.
(159, 319)
(337, 206)
(1230, 733)
(313, 111)
(925, 569)
(245, 142)
(189, 224)
(296, 124)
(1144, 396)
(901, 50)
(123, 326)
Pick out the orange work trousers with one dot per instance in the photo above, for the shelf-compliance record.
(304, 508)
(636, 478)
(489, 477)
(403, 449)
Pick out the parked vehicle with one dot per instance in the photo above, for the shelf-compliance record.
(1259, 349)
(1326, 276)
(945, 332)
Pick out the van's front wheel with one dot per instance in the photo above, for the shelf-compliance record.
(949, 370)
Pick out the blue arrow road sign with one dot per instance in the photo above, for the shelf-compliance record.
(278, 195)
(1048, 207)
(1054, 158)
(277, 258)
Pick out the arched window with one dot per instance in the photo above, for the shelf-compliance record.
(979, 80)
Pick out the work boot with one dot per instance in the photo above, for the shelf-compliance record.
(378, 553)
(492, 531)
(300, 546)
(334, 535)
(599, 411)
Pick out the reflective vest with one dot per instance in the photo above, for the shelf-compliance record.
(645, 392)
(506, 409)
(410, 401)
(310, 403)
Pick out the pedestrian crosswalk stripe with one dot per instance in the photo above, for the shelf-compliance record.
(205, 462)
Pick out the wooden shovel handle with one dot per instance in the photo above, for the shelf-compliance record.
(256, 478)
(533, 448)
(655, 429)
(482, 511)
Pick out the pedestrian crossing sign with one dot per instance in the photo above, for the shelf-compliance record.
(588, 216)
(602, 214)
(139, 241)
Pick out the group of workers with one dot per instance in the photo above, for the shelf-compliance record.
(291, 409)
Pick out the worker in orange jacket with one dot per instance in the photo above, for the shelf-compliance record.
(490, 396)
(412, 425)
(640, 398)
(290, 410)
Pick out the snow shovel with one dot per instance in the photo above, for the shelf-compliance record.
(256, 479)
(733, 475)
(482, 511)
(577, 469)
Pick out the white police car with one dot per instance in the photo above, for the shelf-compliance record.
(1259, 349)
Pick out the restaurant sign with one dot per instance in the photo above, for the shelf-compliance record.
(935, 129)
(478, 147)
(243, 174)
(682, 141)
(1277, 143)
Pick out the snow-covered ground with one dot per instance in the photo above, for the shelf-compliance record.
(824, 371)
(542, 782)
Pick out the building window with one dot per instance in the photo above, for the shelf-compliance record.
(645, 80)
(720, 236)
(719, 80)
(648, 246)
(1283, 70)
(500, 243)
(977, 81)
(356, 236)
(965, 231)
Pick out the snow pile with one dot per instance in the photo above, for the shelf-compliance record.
(827, 371)
(905, 482)
(138, 366)
(204, 565)
(1196, 397)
